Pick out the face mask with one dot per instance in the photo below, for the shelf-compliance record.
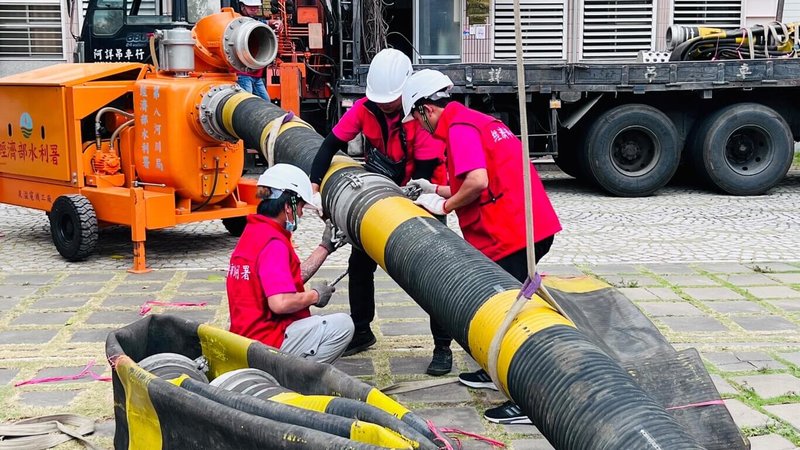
(291, 226)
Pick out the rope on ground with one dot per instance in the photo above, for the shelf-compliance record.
(39, 433)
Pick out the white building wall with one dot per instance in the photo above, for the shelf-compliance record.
(791, 11)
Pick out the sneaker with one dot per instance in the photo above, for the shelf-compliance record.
(442, 361)
(362, 340)
(507, 414)
(477, 380)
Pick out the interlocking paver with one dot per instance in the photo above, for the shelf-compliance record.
(770, 442)
(49, 399)
(745, 416)
(638, 294)
(88, 277)
(749, 279)
(789, 412)
(774, 292)
(669, 309)
(664, 293)
(772, 385)
(671, 269)
(690, 280)
(723, 387)
(355, 366)
(91, 335)
(131, 288)
(736, 307)
(764, 323)
(724, 268)
(10, 337)
(67, 303)
(35, 279)
(43, 318)
(742, 361)
(792, 305)
(72, 289)
(712, 293)
(693, 324)
(17, 291)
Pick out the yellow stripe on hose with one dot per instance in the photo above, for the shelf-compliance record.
(383, 402)
(317, 403)
(369, 433)
(339, 162)
(144, 428)
(225, 351)
(534, 317)
(178, 381)
(230, 107)
(380, 221)
(575, 285)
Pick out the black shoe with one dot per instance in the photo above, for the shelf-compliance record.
(442, 361)
(362, 340)
(507, 414)
(477, 380)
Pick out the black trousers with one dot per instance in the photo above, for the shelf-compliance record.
(361, 285)
(517, 263)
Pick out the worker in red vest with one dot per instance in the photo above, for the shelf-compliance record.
(265, 280)
(486, 190)
(399, 151)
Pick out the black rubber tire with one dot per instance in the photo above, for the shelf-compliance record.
(631, 150)
(235, 225)
(567, 159)
(742, 149)
(73, 227)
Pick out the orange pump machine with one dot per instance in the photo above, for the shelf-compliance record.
(132, 144)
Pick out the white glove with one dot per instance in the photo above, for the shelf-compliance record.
(316, 202)
(433, 203)
(426, 186)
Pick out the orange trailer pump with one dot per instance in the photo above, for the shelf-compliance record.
(129, 144)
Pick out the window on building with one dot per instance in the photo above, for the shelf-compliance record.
(617, 29)
(712, 13)
(31, 31)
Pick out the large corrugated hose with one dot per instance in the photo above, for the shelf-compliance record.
(575, 393)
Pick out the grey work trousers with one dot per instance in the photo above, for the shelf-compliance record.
(319, 338)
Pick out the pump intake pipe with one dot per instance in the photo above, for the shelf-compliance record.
(574, 392)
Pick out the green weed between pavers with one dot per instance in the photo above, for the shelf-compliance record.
(758, 269)
(779, 428)
(796, 163)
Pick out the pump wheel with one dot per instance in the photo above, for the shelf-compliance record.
(631, 151)
(742, 149)
(235, 225)
(73, 226)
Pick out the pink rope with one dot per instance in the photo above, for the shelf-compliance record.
(148, 305)
(446, 444)
(86, 371)
(475, 436)
(695, 405)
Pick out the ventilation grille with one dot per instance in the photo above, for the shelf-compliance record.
(543, 29)
(713, 13)
(616, 29)
(31, 31)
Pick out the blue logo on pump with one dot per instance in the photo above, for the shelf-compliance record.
(26, 124)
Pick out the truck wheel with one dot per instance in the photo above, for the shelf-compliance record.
(567, 159)
(73, 226)
(631, 151)
(743, 149)
(235, 225)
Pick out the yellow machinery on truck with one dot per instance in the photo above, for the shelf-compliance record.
(128, 143)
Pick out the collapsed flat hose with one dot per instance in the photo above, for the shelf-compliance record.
(574, 393)
(39, 433)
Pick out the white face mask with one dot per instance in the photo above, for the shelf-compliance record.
(291, 226)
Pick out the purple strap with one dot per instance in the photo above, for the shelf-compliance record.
(288, 117)
(531, 286)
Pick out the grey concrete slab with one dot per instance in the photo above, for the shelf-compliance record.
(792, 305)
(7, 374)
(446, 393)
(127, 300)
(775, 267)
(737, 307)
(418, 328)
(409, 365)
(17, 290)
(29, 278)
(113, 317)
(770, 442)
(43, 318)
(764, 323)
(722, 385)
(560, 270)
(690, 280)
(788, 278)
(771, 385)
(82, 289)
(664, 293)
(91, 335)
(745, 416)
(749, 279)
(464, 418)
(11, 337)
(781, 292)
(382, 298)
(742, 361)
(386, 284)
(638, 294)
(88, 277)
(670, 309)
(141, 288)
(210, 299)
(402, 312)
(693, 324)
(671, 269)
(48, 399)
(155, 275)
(630, 281)
(724, 267)
(69, 303)
(614, 269)
(712, 293)
(7, 304)
(793, 357)
(355, 366)
(197, 314)
(201, 287)
(206, 275)
(789, 412)
(528, 430)
(531, 444)
(69, 371)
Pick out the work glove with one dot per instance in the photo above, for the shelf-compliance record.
(324, 291)
(433, 203)
(316, 204)
(328, 238)
(426, 186)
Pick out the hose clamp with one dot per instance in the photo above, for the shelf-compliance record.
(208, 111)
(355, 180)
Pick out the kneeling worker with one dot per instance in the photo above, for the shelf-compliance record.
(266, 296)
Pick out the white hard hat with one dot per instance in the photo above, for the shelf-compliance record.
(388, 72)
(251, 2)
(426, 83)
(288, 177)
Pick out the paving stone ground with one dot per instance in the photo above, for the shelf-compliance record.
(718, 273)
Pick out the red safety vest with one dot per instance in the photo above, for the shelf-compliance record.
(395, 148)
(495, 222)
(250, 313)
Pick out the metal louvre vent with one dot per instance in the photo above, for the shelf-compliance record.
(713, 13)
(543, 29)
(31, 30)
(617, 29)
